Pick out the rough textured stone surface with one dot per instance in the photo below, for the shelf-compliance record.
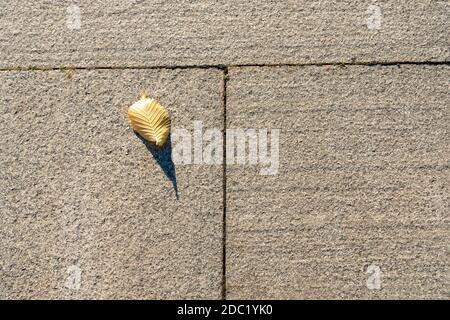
(174, 32)
(78, 188)
(364, 179)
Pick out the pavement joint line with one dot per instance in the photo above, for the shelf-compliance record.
(224, 67)
(224, 188)
(368, 64)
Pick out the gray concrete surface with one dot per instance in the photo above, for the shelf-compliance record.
(78, 188)
(364, 176)
(209, 32)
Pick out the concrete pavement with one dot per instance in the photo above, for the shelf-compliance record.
(363, 181)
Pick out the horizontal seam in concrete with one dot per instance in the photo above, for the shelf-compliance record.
(223, 67)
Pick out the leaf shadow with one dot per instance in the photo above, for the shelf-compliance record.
(163, 157)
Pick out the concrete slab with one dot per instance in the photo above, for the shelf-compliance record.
(360, 207)
(86, 210)
(209, 32)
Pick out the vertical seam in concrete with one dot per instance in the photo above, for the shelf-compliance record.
(224, 186)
